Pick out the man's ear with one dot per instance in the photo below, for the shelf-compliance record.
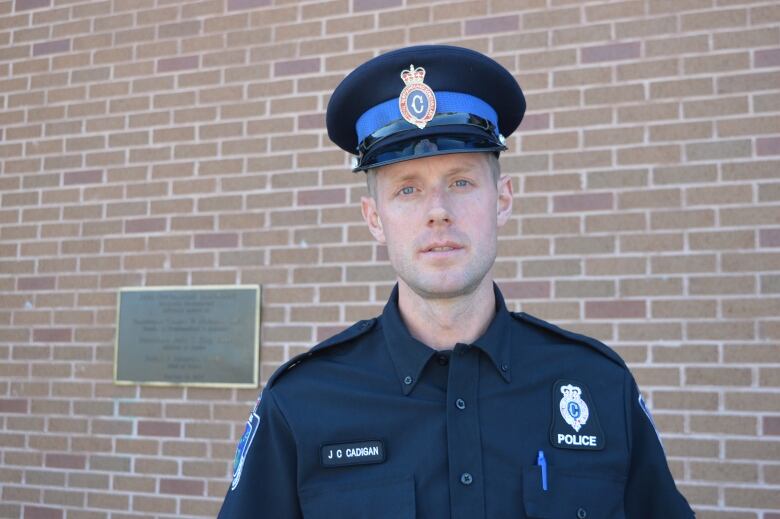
(505, 198)
(371, 216)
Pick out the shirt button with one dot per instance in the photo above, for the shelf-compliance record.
(460, 404)
(442, 360)
(466, 479)
(408, 380)
(582, 513)
(504, 367)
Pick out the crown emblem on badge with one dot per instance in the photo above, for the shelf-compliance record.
(416, 102)
(413, 75)
(573, 408)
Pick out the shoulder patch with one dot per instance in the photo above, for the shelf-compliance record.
(590, 341)
(357, 329)
(649, 415)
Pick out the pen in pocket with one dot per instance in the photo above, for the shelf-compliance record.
(543, 465)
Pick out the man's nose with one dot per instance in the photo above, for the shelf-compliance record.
(438, 211)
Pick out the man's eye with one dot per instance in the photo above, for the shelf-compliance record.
(462, 183)
(407, 191)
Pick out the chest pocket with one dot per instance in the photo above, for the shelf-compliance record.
(572, 495)
(375, 499)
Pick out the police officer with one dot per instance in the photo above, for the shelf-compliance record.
(446, 405)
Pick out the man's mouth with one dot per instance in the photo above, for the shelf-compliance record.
(442, 247)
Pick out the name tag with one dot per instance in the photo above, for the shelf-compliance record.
(352, 453)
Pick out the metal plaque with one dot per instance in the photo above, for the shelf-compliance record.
(195, 336)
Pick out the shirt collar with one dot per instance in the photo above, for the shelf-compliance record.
(410, 356)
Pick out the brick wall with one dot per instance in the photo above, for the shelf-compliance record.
(159, 142)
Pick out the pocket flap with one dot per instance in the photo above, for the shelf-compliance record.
(373, 499)
(572, 495)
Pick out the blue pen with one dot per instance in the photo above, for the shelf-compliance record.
(543, 464)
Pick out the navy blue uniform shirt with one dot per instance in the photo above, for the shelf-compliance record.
(527, 421)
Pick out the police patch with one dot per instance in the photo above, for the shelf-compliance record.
(575, 424)
(417, 102)
(252, 424)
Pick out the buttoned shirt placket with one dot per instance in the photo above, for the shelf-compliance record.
(464, 447)
(488, 354)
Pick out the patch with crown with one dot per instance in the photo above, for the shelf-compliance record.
(417, 101)
(575, 424)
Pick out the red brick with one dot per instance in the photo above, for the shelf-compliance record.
(294, 67)
(610, 52)
(23, 5)
(533, 122)
(311, 121)
(179, 29)
(189, 487)
(13, 405)
(583, 202)
(144, 503)
(145, 225)
(235, 5)
(526, 289)
(615, 309)
(36, 283)
(769, 237)
(371, 5)
(66, 461)
(768, 146)
(152, 428)
(52, 335)
(771, 425)
(83, 177)
(490, 25)
(40, 512)
(322, 197)
(51, 47)
(177, 63)
(216, 240)
(767, 58)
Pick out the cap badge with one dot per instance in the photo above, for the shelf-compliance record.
(417, 101)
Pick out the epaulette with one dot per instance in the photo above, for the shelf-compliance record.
(590, 341)
(357, 329)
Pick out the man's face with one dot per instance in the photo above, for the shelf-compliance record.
(439, 218)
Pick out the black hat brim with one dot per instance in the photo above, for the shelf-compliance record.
(428, 142)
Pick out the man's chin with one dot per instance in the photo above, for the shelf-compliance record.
(443, 287)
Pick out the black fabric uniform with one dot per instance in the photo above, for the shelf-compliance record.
(451, 434)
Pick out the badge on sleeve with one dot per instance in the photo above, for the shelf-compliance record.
(417, 101)
(575, 424)
(646, 410)
(252, 424)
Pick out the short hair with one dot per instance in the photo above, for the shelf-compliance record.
(493, 163)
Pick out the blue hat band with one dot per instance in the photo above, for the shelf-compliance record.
(387, 112)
